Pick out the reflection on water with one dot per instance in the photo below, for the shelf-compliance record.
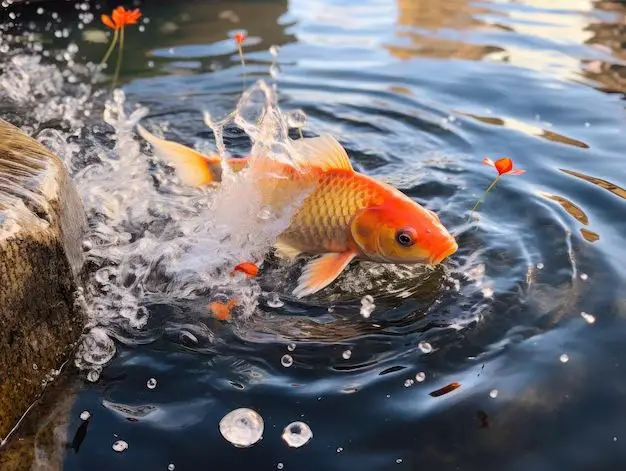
(418, 92)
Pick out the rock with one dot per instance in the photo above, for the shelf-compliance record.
(42, 222)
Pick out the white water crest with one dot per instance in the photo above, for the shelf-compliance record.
(150, 238)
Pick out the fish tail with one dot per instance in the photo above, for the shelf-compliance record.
(193, 167)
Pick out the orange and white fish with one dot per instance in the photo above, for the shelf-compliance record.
(345, 216)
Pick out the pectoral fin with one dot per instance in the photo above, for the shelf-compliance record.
(321, 272)
(285, 250)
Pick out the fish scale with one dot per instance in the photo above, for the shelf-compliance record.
(323, 220)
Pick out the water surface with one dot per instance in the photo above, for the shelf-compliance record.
(419, 92)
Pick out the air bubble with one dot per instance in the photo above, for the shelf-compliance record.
(296, 119)
(280, 466)
(589, 318)
(274, 301)
(274, 50)
(291, 347)
(297, 434)
(584, 276)
(346, 355)
(286, 361)
(408, 383)
(151, 383)
(242, 427)
(564, 358)
(425, 347)
(93, 375)
(421, 376)
(493, 393)
(120, 446)
(367, 305)
(85, 415)
(171, 467)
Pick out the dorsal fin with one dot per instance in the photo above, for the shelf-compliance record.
(323, 152)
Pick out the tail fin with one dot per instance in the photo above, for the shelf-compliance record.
(193, 167)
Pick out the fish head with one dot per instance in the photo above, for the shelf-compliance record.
(402, 231)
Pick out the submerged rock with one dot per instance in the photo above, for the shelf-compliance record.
(42, 222)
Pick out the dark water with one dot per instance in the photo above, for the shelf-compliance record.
(419, 92)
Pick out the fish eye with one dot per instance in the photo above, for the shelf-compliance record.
(405, 237)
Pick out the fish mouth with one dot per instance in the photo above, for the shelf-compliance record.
(447, 250)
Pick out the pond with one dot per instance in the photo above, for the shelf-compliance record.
(528, 316)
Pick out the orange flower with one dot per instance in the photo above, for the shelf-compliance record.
(121, 17)
(248, 268)
(240, 38)
(504, 166)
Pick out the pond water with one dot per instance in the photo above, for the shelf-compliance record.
(528, 316)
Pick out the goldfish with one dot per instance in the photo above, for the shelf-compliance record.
(345, 215)
(222, 310)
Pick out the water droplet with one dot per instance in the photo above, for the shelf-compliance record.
(339, 450)
(421, 376)
(242, 427)
(286, 361)
(85, 415)
(151, 383)
(367, 305)
(346, 355)
(296, 119)
(564, 358)
(297, 434)
(493, 394)
(584, 276)
(590, 318)
(280, 466)
(408, 383)
(291, 347)
(274, 50)
(120, 446)
(425, 347)
(274, 301)
(171, 467)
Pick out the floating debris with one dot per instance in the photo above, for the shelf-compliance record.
(120, 446)
(151, 383)
(286, 361)
(564, 358)
(445, 390)
(425, 347)
(242, 427)
(421, 376)
(297, 434)
(85, 415)
(493, 393)
(367, 306)
(346, 355)
(589, 318)
(247, 268)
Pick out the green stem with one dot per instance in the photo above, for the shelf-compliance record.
(485, 194)
(243, 64)
(119, 58)
(111, 47)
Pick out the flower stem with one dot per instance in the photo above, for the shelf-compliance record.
(111, 47)
(243, 64)
(119, 58)
(485, 194)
